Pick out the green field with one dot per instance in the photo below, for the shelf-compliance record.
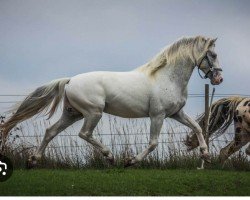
(120, 182)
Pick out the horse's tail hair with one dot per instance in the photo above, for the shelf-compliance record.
(36, 102)
(221, 116)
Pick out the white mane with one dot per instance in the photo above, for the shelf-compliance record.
(170, 54)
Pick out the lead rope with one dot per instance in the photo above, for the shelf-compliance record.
(200, 73)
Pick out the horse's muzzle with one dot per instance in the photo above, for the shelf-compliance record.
(216, 79)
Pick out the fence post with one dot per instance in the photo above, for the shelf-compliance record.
(206, 134)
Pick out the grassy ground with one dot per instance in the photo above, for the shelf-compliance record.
(122, 182)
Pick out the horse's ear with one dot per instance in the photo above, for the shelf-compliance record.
(212, 42)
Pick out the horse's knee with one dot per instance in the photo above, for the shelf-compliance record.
(97, 115)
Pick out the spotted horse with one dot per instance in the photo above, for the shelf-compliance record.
(234, 109)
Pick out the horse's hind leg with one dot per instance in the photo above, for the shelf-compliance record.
(69, 116)
(86, 132)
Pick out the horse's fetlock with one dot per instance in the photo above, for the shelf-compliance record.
(203, 149)
(106, 152)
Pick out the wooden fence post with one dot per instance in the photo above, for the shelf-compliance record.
(205, 129)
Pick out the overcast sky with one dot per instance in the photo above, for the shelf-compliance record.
(44, 40)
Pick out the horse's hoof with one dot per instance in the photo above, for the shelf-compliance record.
(31, 162)
(200, 168)
(111, 160)
(128, 162)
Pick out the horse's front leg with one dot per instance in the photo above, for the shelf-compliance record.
(155, 128)
(240, 140)
(183, 118)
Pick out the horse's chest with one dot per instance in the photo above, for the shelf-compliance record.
(169, 104)
(173, 99)
(173, 94)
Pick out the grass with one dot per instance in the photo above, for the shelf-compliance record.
(126, 182)
(125, 138)
(73, 167)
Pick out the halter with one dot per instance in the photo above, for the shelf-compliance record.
(211, 67)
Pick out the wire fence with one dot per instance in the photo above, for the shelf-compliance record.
(177, 139)
(192, 95)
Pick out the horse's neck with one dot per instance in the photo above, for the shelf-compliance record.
(178, 74)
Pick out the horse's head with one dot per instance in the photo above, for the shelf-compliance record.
(207, 61)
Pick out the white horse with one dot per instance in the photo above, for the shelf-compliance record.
(157, 89)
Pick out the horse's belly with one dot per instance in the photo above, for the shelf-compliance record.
(127, 95)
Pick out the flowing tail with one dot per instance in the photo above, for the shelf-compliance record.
(221, 116)
(35, 103)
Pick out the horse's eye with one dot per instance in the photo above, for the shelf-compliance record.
(212, 55)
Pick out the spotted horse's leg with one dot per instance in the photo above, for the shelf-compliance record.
(241, 139)
(242, 130)
(245, 111)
